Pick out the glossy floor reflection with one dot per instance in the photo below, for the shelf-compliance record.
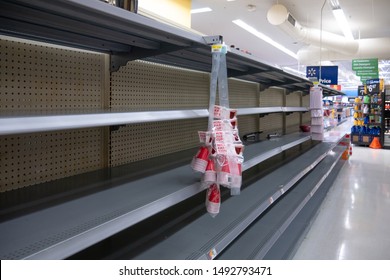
(354, 219)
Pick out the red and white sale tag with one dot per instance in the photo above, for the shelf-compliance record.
(217, 112)
(218, 125)
(221, 148)
(202, 136)
(219, 136)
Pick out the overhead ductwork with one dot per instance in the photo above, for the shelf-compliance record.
(334, 47)
(368, 48)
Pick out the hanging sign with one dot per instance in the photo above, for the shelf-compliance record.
(372, 86)
(326, 75)
(366, 69)
(361, 91)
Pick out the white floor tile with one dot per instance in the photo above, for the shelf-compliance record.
(354, 219)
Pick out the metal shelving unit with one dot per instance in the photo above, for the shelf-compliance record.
(97, 26)
(62, 230)
(237, 213)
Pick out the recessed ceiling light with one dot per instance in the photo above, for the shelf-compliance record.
(201, 10)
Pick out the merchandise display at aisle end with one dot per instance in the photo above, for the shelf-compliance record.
(368, 116)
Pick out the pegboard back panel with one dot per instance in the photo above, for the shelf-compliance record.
(293, 99)
(248, 124)
(143, 141)
(143, 86)
(306, 118)
(243, 94)
(31, 159)
(292, 123)
(36, 77)
(306, 100)
(272, 97)
(272, 123)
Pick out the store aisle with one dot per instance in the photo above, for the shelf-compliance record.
(354, 220)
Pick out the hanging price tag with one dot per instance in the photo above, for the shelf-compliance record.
(221, 148)
(202, 136)
(218, 125)
(216, 48)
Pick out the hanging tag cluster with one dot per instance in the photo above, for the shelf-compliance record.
(220, 157)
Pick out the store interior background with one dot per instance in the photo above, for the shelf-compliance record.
(368, 22)
(37, 160)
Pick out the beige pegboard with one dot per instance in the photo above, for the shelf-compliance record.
(306, 118)
(306, 100)
(143, 141)
(243, 94)
(292, 123)
(293, 99)
(142, 86)
(42, 77)
(31, 159)
(272, 97)
(248, 124)
(272, 123)
(38, 79)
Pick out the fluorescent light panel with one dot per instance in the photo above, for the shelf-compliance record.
(264, 37)
(201, 10)
(343, 23)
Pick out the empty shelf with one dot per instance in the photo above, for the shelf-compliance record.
(50, 122)
(256, 242)
(67, 228)
(206, 237)
(287, 244)
(22, 122)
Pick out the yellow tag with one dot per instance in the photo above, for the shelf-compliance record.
(216, 48)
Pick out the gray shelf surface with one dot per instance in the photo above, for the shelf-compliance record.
(206, 237)
(67, 228)
(29, 122)
(288, 242)
(256, 242)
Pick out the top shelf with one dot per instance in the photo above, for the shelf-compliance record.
(97, 26)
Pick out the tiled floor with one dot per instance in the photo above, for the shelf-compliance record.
(354, 219)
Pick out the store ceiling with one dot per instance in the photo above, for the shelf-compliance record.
(367, 19)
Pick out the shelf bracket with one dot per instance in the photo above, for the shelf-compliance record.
(263, 115)
(119, 59)
(212, 40)
(116, 127)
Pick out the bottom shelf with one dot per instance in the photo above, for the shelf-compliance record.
(262, 239)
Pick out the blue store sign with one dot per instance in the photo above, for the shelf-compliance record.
(329, 74)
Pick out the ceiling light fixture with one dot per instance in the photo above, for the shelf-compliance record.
(264, 37)
(201, 10)
(341, 19)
